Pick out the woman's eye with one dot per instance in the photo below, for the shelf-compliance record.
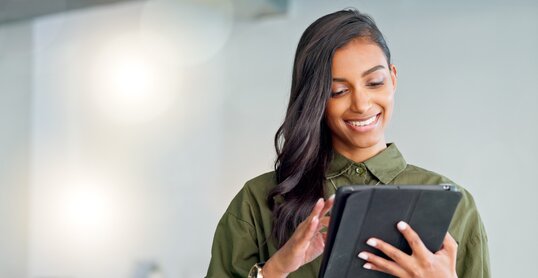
(375, 84)
(338, 93)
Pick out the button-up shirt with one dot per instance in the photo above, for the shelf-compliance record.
(243, 235)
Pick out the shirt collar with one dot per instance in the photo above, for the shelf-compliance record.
(385, 166)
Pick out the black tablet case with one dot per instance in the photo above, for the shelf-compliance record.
(361, 212)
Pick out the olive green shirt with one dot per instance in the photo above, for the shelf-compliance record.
(242, 237)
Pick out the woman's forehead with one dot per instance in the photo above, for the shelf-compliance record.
(358, 55)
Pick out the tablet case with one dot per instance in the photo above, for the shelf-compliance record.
(361, 212)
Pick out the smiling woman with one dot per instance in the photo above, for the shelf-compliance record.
(360, 106)
(341, 102)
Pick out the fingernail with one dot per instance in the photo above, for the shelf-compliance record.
(372, 242)
(401, 225)
(363, 256)
(367, 266)
(319, 200)
(331, 197)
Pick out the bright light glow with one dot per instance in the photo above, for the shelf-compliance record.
(135, 76)
(133, 79)
(128, 85)
(87, 209)
(82, 218)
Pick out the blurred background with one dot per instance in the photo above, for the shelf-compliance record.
(126, 127)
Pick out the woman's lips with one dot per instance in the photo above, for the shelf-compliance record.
(364, 125)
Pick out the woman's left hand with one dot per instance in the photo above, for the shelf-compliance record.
(421, 263)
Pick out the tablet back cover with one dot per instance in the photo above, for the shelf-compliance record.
(374, 212)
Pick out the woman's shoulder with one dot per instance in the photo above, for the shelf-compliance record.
(420, 175)
(466, 225)
(260, 186)
(417, 175)
(252, 197)
(265, 180)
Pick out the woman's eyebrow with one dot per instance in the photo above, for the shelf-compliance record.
(378, 67)
(372, 70)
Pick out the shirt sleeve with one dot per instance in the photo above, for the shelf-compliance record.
(235, 248)
(473, 252)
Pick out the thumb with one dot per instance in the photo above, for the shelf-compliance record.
(450, 245)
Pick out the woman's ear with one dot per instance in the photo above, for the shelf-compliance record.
(393, 76)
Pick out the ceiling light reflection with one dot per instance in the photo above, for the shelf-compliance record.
(128, 86)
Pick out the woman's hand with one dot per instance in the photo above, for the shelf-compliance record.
(421, 263)
(306, 243)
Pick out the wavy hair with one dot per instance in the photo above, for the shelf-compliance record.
(303, 141)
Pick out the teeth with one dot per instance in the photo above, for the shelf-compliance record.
(363, 123)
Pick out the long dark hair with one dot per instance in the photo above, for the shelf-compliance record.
(303, 141)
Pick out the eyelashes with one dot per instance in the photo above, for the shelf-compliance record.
(335, 94)
(375, 84)
(371, 85)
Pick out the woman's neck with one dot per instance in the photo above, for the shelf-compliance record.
(359, 154)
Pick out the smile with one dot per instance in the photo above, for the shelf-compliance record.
(363, 123)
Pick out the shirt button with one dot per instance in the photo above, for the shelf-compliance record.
(359, 171)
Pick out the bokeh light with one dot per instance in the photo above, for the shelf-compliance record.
(128, 86)
(87, 207)
(84, 207)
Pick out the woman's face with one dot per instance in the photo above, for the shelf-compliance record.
(362, 98)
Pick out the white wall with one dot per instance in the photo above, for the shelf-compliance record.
(116, 187)
(108, 196)
(15, 92)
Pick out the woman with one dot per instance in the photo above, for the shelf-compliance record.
(342, 98)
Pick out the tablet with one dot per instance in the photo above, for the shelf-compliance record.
(361, 212)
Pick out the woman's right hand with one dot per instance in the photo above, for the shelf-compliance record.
(306, 243)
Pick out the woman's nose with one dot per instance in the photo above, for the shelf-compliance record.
(360, 102)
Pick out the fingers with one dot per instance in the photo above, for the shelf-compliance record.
(374, 262)
(420, 261)
(328, 206)
(416, 244)
(305, 227)
(310, 226)
(312, 221)
(450, 245)
(325, 207)
(324, 221)
(318, 207)
(394, 253)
